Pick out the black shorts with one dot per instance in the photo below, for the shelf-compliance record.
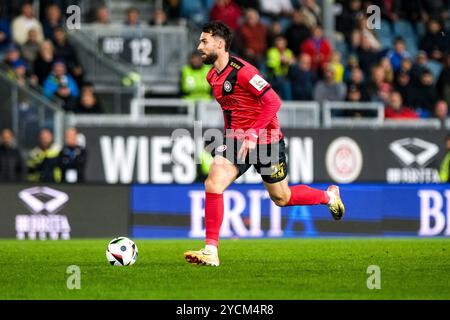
(269, 159)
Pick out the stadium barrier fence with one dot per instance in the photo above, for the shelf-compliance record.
(25, 111)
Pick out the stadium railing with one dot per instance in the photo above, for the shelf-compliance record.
(26, 111)
(178, 108)
(335, 114)
(174, 113)
(292, 114)
(416, 123)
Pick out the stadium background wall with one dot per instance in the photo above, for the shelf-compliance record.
(103, 211)
(371, 210)
(63, 211)
(142, 155)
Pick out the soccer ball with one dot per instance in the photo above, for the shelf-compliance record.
(121, 251)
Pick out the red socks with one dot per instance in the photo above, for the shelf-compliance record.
(213, 217)
(302, 195)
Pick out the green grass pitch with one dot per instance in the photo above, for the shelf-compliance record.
(250, 269)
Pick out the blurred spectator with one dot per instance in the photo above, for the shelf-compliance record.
(318, 48)
(72, 158)
(356, 79)
(419, 65)
(172, 9)
(368, 33)
(61, 84)
(411, 10)
(65, 51)
(302, 78)
(352, 63)
(441, 110)
(405, 87)
(193, 79)
(279, 58)
(443, 83)
(312, 12)
(88, 103)
(30, 49)
(367, 55)
(406, 66)
(297, 32)
(23, 23)
(252, 39)
(338, 67)
(12, 55)
(102, 15)
(132, 18)
(354, 94)
(42, 160)
(227, 11)
(328, 89)
(385, 63)
(276, 8)
(355, 41)
(11, 163)
(397, 54)
(426, 95)
(44, 61)
(377, 88)
(5, 32)
(435, 9)
(347, 20)
(159, 18)
(53, 20)
(434, 42)
(396, 109)
(18, 73)
(275, 31)
(444, 172)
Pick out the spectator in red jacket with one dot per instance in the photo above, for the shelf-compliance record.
(318, 48)
(227, 11)
(396, 109)
(252, 38)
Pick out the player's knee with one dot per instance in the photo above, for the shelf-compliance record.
(280, 200)
(213, 185)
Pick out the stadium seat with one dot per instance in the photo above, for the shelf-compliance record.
(435, 68)
(403, 28)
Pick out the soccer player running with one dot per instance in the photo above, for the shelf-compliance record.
(250, 107)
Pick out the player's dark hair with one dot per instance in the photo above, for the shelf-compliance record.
(219, 29)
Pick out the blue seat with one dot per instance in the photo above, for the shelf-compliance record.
(435, 68)
(403, 28)
(385, 29)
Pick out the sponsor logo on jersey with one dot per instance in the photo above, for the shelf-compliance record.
(258, 82)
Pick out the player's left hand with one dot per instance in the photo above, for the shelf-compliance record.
(246, 147)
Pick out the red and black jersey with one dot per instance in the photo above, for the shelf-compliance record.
(238, 88)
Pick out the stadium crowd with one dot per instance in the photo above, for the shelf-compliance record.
(405, 64)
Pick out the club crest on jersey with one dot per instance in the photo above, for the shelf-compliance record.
(227, 86)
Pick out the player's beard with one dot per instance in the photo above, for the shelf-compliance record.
(210, 58)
